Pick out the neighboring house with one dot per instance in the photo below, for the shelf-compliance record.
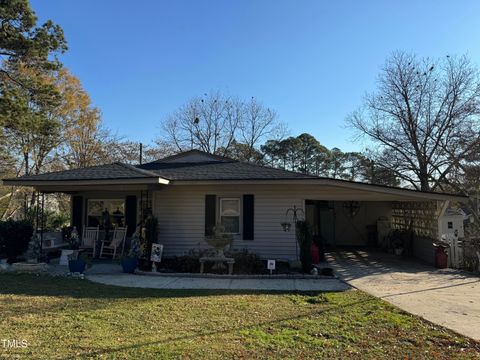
(192, 191)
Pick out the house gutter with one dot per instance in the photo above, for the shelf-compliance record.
(421, 195)
(127, 181)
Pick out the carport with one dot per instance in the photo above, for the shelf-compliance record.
(357, 215)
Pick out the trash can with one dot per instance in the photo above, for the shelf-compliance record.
(441, 257)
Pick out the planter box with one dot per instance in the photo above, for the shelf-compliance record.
(29, 267)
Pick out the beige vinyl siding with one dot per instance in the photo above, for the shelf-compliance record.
(181, 214)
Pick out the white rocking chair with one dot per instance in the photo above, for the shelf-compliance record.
(117, 242)
(90, 238)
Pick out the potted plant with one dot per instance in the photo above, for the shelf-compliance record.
(130, 262)
(77, 263)
(397, 242)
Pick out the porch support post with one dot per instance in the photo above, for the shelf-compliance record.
(141, 207)
(443, 207)
(42, 223)
(37, 211)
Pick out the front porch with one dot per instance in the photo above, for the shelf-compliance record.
(96, 208)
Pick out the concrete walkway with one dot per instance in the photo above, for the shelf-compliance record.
(111, 274)
(449, 298)
(174, 282)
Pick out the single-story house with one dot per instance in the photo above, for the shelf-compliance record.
(192, 191)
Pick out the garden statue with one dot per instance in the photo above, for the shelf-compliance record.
(219, 239)
(34, 248)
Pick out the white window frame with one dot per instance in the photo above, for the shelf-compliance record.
(104, 200)
(221, 199)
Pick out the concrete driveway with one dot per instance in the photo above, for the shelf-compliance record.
(447, 297)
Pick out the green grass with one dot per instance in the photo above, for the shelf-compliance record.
(66, 318)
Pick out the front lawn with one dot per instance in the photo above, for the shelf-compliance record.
(65, 318)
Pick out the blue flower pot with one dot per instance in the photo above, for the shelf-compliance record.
(129, 265)
(77, 266)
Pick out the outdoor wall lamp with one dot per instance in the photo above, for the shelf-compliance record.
(286, 226)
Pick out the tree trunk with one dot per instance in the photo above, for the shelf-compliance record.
(423, 177)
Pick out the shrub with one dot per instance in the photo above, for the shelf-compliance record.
(247, 262)
(148, 236)
(304, 238)
(135, 251)
(14, 238)
(188, 263)
(52, 220)
(471, 247)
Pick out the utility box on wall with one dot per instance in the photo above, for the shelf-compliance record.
(451, 224)
(451, 231)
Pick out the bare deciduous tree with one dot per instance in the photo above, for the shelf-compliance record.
(214, 123)
(257, 123)
(424, 118)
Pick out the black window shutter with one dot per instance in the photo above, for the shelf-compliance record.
(131, 214)
(77, 213)
(210, 213)
(248, 216)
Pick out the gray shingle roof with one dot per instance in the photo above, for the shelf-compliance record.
(218, 170)
(182, 168)
(100, 172)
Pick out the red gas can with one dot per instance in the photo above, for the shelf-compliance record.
(315, 253)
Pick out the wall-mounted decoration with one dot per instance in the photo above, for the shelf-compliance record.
(351, 208)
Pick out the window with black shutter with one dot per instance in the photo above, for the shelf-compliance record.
(248, 217)
(210, 213)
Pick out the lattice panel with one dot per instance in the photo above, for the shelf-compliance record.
(421, 217)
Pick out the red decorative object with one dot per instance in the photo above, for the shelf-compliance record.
(441, 257)
(315, 253)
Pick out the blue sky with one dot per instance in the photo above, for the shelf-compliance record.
(312, 61)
